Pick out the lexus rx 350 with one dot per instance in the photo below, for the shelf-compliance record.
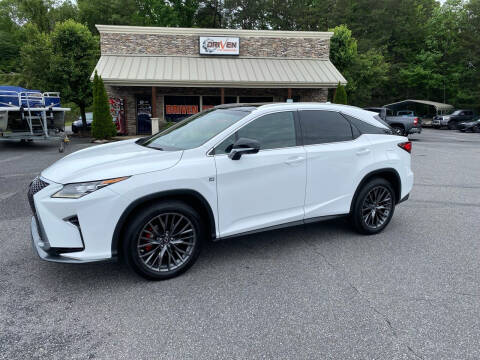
(230, 170)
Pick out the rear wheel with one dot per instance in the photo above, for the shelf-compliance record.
(373, 207)
(452, 125)
(163, 240)
(398, 130)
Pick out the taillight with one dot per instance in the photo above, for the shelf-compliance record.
(415, 121)
(407, 146)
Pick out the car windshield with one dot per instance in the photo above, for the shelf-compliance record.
(456, 112)
(197, 129)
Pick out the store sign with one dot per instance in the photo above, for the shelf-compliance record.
(181, 109)
(219, 45)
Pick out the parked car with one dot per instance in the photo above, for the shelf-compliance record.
(402, 125)
(470, 126)
(77, 125)
(451, 121)
(227, 171)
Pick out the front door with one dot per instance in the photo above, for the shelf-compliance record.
(264, 189)
(144, 115)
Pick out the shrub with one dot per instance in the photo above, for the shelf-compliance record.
(102, 124)
(340, 95)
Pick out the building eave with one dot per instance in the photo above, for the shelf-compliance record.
(105, 29)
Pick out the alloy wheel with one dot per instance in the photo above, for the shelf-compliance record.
(166, 242)
(376, 207)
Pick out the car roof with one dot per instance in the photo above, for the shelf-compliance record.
(354, 111)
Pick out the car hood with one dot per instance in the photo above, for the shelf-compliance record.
(122, 158)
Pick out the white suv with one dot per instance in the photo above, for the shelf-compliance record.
(227, 171)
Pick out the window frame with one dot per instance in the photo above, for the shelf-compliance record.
(297, 129)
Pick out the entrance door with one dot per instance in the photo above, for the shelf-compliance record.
(264, 189)
(144, 115)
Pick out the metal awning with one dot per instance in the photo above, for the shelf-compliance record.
(438, 106)
(191, 71)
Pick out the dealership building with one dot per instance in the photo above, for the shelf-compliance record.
(171, 73)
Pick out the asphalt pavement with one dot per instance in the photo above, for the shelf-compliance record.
(319, 291)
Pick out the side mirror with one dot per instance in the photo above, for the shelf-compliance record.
(244, 146)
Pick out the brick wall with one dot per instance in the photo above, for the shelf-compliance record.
(185, 45)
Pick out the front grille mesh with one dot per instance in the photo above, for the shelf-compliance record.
(35, 186)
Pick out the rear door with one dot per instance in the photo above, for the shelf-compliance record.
(264, 189)
(335, 156)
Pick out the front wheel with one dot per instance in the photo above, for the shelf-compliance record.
(373, 207)
(163, 240)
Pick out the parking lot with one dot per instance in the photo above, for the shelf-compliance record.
(315, 291)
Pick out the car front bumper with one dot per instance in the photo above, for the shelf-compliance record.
(74, 230)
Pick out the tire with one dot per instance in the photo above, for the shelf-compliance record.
(452, 125)
(155, 248)
(399, 130)
(359, 216)
(476, 129)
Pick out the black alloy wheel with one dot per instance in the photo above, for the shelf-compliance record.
(163, 240)
(373, 207)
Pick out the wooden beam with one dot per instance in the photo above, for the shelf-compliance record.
(154, 102)
(222, 95)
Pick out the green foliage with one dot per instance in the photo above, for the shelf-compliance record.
(387, 50)
(340, 95)
(102, 124)
(343, 48)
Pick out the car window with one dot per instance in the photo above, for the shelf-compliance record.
(366, 128)
(272, 131)
(320, 127)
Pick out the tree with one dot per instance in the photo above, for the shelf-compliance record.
(343, 47)
(74, 55)
(340, 95)
(102, 124)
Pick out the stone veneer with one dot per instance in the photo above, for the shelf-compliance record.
(188, 45)
(129, 93)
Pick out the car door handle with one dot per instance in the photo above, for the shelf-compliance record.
(294, 160)
(363, 152)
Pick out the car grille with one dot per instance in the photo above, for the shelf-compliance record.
(35, 186)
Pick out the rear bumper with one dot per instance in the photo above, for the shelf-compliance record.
(415, 130)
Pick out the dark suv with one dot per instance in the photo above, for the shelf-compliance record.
(452, 120)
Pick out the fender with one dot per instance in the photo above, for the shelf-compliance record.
(171, 194)
(390, 174)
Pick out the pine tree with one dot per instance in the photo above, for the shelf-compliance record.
(340, 95)
(102, 124)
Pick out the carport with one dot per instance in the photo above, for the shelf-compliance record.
(424, 108)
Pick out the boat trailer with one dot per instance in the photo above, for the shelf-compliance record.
(30, 115)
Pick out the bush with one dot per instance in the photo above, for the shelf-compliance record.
(102, 124)
(340, 95)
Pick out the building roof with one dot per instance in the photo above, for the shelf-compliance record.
(103, 29)
(190, 71)
(437, 105)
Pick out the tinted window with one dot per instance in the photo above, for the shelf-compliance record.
(320, 127)
(272, 131)
(366, 128)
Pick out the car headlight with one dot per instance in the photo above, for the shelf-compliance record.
(77, 190)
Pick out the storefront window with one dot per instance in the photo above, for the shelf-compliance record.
(209, 102)
(256, 99)
(177, 108)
